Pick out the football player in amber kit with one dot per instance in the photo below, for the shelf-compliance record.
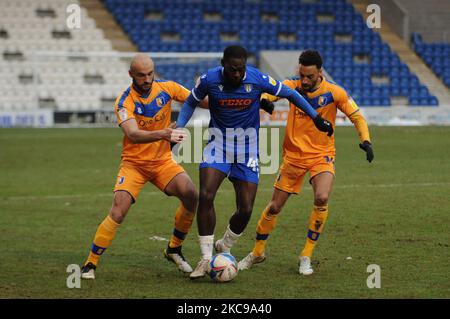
(143, 113)
(305, 150)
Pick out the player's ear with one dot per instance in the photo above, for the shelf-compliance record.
(222, 62)
(129, 73)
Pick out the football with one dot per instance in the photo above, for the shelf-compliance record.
(223, 267)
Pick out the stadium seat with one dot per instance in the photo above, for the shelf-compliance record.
(435, 55)
(198, 34)
(61, 77)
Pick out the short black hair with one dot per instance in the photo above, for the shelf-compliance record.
(235, 52)
(310, 57)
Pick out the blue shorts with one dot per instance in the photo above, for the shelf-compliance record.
(236, 171)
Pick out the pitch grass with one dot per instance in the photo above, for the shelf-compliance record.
(56, 188)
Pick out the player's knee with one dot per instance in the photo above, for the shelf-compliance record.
(206, 196)
(245, 210)
(274, 208)
(189, 198)
(191, 193)
(117, 216)
(120, 206)
(321, 199)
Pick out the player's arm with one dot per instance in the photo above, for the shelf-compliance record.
(299, 101)
(280, 90)
(269, 97)
(363, 131)
(348, 106)
(181, 94)
(124, 110)
(273, 98)
(137, 136)
(267, 100)
(197, 95)
(204, 104)
(187, 110)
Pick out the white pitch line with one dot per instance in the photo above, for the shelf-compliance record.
(154, 193)
(158, 238)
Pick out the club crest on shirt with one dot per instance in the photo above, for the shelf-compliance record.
(322, 100)
(160, 101)
(248, 88)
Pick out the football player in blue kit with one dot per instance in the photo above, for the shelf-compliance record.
(234, 91)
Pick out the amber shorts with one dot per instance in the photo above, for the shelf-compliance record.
(132, 177)
(290, 176)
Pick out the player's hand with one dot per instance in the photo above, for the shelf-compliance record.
(323, 125)
(367, 147)
(172, 126)
(174, 135)
(177, 135)
(267, 106)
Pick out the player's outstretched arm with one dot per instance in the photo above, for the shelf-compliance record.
(187, 110)
(137, 136)
(299, 101)
(363, 131)
(204, 104)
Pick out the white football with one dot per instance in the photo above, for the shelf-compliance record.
(223, 267)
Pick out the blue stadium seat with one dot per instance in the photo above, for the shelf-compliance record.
(196, 34)
(435, 55)
(413, 101)
(433, 101)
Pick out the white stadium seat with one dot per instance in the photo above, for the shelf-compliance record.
(54, 77)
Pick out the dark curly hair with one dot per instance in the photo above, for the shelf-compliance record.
(310, 57)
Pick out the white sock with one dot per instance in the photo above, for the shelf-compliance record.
(230, 238)
(206, 246)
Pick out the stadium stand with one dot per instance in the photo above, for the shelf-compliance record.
(402, 18)
(53, 80)
(354, 55)
(430, 20)
(435, 55)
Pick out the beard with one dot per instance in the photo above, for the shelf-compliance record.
(309, 88)
(313, 85)
(141, 87)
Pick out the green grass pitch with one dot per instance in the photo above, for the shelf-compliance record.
(56, 187)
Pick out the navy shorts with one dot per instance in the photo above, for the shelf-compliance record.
(236, 171)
